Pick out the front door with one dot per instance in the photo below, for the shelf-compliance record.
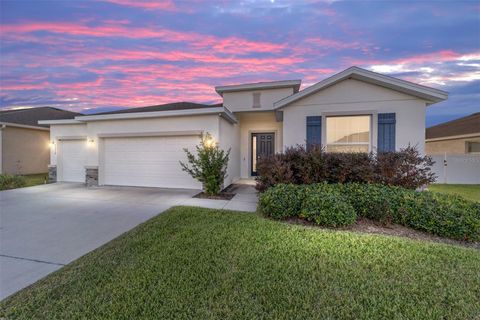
(263, 144)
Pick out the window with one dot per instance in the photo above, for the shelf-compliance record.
(473, 146)
(348, 134)
(256, 100)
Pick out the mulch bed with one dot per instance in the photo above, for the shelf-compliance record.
(369, 226)
(220, 196)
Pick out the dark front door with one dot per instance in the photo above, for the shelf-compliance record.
(262, 144)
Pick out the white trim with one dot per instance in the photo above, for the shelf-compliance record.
(71, 138)
(151, 134)
(159, 114)
(9, 124)
(295, 84)
(62, 121)
(470, 135)
(431, 95)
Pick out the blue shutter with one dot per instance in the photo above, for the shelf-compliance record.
(314, 130)
(386, 132)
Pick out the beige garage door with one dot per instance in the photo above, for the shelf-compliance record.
(147, 161)
(72, 155)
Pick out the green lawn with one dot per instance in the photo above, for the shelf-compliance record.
(193, 263)
(468, 191)
(35, 179)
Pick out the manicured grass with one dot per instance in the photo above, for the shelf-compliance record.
(192, 263)
(468, 191)
(35, 179)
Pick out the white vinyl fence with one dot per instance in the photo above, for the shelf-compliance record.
(457, 168)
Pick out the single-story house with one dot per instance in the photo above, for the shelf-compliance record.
(459, 136)
(24, 144)
(354, 110)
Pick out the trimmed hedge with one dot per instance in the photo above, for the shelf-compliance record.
(339, 204)
(326, 206)
(283, 201)
(11, 181)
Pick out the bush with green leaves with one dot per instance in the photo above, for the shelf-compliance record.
(373, 201)
(332, 204)
(326, 206)
(208, 165)
(8, 181)
(283, 201)
(444, 215)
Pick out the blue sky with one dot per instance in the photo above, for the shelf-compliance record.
(91, 56)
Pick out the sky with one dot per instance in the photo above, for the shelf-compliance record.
(93, 56)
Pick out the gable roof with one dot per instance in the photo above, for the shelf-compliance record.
(430, 95)
(163, 107)
(295, 84)
(462, 126)
(31, 116)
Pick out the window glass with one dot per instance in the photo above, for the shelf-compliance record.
(348, 134)
(473, 146)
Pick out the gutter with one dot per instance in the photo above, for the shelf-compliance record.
(16, 125)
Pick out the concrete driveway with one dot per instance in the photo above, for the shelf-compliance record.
(45, 227)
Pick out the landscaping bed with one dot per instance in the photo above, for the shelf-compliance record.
(192, 263)
(220, 196)
(341, 205)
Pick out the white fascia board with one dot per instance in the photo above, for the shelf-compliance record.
(430, 94)
(157, 114)
(62, 121)
(9, 124)
(259, 86)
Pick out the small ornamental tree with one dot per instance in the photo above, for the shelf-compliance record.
(209, 165)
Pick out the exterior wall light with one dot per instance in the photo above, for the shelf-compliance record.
(53, 146)
(210, 142)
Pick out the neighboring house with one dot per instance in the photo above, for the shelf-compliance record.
(354, 110)
(460, 136)
(24, 144)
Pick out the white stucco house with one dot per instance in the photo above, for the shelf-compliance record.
(354, 110)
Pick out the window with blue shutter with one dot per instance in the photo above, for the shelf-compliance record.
(386, 132)
(314, 130)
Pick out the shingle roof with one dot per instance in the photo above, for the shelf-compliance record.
(31, 116)
(164, 107)
(466, 125)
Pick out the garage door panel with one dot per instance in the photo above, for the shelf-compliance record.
(148, 161)
(72, 160)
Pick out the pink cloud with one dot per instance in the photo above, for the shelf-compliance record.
(166, 5)
(121, 29)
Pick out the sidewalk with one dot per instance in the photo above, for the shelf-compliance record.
(245, 199)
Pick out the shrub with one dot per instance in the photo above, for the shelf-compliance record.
(440, 214)
(408, 168)
(373, 201)
(337, 205)
(209, 165)
(327, 207)
(299, 165)
(282, 201)
(11, 181)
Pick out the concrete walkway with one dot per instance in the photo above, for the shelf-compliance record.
(245, 199)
